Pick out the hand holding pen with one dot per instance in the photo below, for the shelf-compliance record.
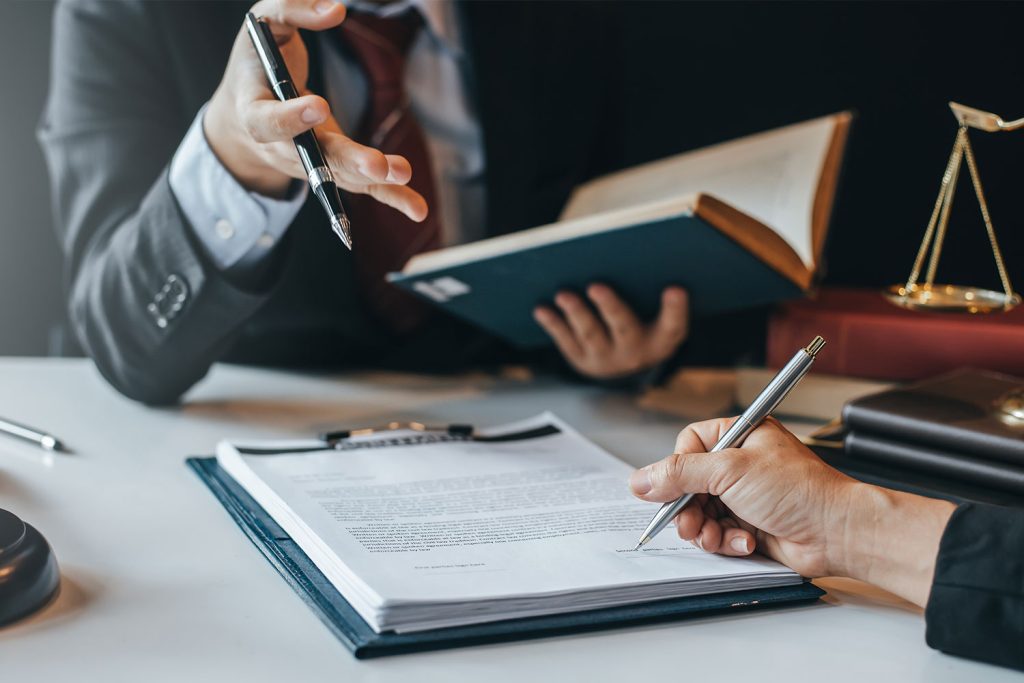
(767, 401)
(772, 495)
(253, 133)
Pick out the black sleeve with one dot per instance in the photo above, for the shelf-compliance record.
(143, 300)
(976, 607)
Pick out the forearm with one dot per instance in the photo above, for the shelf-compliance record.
(152, 344)
(890, 539)
(149, 304)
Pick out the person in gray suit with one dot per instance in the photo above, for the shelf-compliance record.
(187, 229)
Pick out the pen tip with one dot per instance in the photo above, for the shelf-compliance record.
(342, 228)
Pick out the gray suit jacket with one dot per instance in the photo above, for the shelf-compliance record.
(143, 300)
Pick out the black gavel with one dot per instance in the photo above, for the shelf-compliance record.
(29, 577)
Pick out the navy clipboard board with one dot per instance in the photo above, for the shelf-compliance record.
(324, 599)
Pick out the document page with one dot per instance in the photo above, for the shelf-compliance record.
(771, 176)
(501, 522)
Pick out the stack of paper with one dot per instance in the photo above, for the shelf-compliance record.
(419, 534)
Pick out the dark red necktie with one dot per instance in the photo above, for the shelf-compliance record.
(383, 238)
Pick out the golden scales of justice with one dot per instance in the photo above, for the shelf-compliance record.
(928, 296)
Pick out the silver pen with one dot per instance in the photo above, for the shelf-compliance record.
(45, 441)
(767, 401)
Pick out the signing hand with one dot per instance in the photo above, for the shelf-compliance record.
(251, 132)
(615, 344)
(775, 496)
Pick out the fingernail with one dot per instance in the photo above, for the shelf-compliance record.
(640, 482)
(739, 544)
(311, 115)
(324, 6)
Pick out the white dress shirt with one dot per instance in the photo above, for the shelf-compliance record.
(238, 227)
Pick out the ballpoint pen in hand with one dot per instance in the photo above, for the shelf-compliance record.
(321, 181)
(767, 401)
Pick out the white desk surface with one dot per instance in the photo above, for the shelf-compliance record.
(159, 584)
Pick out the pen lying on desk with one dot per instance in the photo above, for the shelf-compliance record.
(41, 439)
(767, 401)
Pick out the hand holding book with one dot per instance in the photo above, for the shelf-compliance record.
(608, 339)
(737, 225)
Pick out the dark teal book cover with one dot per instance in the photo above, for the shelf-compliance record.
(499, 293)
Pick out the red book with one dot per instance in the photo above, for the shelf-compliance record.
(869, 337)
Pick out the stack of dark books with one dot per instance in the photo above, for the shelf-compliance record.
(961, 426)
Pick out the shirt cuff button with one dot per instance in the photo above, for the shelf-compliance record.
(224, 229)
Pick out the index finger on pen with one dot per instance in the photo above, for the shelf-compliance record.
(700, 437)
(285, 17)
(268, 120)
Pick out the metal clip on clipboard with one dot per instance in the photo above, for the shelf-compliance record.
(351, 439)
(341, 440)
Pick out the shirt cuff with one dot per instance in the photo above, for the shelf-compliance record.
(234, 226)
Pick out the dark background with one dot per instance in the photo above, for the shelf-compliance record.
(719, 70)
(699, 73)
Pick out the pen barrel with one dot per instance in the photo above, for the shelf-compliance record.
(25, 433)
(306, 144)
(309, 151)
(283, 87)
(327, 194)
(767, 401)
(780, 386)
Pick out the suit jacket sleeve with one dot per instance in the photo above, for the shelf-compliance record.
(976, 607)
(143, 299)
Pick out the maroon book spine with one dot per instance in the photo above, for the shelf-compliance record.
(871, 338)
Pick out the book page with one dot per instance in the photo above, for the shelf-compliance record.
(771, 176)
(508, 524)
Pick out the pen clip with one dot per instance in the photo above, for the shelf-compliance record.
(264, 43)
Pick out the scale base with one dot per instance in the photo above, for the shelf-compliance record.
(950, 298)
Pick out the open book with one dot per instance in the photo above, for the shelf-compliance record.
(421, 531)
(739, 224)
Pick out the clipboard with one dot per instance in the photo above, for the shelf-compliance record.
(363, 642)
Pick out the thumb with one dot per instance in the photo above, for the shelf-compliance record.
(285, 17)
(677, 474)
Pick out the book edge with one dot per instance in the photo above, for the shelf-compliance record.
(828, 184)
(544, 235)
(756, 238)
(761, 240)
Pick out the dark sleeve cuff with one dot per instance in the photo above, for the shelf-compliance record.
(976, 607)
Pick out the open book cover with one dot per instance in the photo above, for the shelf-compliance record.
(739, 224)
(417, 541)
